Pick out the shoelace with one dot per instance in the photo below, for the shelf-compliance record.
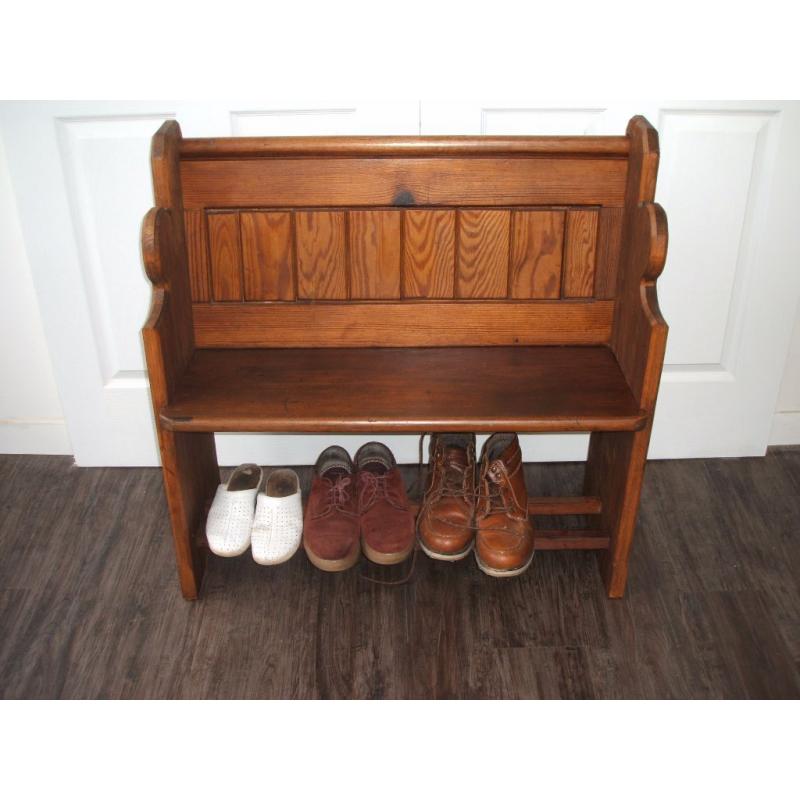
(373, 488)
(495, 502)
(491, 476)
(376, 487)
(454, 485)
(454, 481)
(405, 579)
(338, 495)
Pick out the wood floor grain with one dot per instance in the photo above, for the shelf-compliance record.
(90, 607)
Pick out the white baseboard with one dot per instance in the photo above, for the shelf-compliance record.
(34, 437)
(785, 428)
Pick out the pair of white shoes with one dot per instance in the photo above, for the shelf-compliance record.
(271, 522)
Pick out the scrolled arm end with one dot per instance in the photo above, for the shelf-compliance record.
(652, 222)
(159, 245)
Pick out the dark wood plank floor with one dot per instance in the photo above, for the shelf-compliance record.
(89, 604)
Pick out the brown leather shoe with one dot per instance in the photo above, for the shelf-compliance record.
(330, 529)
(387, 524)
(504, 541)
(446, 519)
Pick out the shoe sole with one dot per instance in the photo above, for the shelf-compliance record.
(446, 556)
(386, 559)
(502, 573)
(275, 562)
(335, 564)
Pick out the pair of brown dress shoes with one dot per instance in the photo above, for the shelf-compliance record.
(487, 511)
(355, 505)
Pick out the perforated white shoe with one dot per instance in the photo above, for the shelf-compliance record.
(278, 523)
(230, 519)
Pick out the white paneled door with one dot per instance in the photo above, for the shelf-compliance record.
(729, 182)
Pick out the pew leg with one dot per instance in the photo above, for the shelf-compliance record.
(614, 473)
(191, 476)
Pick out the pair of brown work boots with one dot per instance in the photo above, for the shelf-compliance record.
(487, 510)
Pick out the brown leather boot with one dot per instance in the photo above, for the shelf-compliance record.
(504, 541)
(446, 519)
(385, 517)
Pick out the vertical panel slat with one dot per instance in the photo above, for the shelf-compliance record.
(374, 254)
(482, 253)
(609, 240)
(226, 255)
(536, 254)
(267, 255)
(321, 263)
(429, 253)
(197, 251)
(579, 253)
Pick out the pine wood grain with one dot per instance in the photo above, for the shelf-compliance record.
(319, 182)
(321, 264)
(409, 389)
(165, 165)
(226, 256)
(375, 253)
(189, 463)
(268, 255)
(609, 252)
(483, 242)
(403, 146)
(429, 253)
(166, 318)
(399, 324)
(197, 251)
(580, 247)
(537, 254)
(615, 466)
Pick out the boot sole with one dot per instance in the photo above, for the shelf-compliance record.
(446, 556)
(334, 564)
(386, 559)
(502, 573)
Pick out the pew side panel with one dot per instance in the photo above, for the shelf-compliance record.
(189, 462)
(616, 463)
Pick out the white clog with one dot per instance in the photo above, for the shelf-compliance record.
(278, 522)
(230, 519)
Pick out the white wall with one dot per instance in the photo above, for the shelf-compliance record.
(31, 420)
